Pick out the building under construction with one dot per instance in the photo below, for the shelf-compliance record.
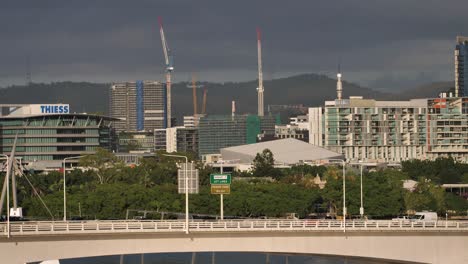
(139, 106)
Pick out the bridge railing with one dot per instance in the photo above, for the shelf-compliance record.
(250, 225)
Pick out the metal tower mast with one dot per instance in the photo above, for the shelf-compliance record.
(260, 75)
(169, 69)
(339, 85)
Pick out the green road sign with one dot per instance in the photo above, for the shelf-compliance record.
(220, 179)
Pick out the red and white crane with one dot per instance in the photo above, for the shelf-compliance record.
(260, 74)
(169, 69)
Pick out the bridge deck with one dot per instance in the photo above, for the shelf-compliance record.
(100, 227)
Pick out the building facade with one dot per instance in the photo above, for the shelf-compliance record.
(461, 67)
(219, 131)
(291, 131)
(177, 139)
(216, 132)
(392, 131)
(160, 137)
(140, 141)
(50, 133)
(139, 106)
(447, 128)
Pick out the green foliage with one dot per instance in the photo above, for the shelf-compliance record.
(153, 186)
(440, 171)
(105, 164)
(263, 164)
(456, 203)
(426, 196)
(272, 200)
(382, 192)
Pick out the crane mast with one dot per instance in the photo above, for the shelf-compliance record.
(260, 75)
(205, 91)
(194, 96)
(168, 70)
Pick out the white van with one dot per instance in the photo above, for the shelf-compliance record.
(424, 216)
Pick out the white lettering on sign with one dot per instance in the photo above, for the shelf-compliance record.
(220, 177)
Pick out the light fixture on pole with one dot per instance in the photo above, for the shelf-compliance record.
(343, 163)
(186, 190)
(65, 185)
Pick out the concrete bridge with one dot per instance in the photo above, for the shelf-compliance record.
(418, 242)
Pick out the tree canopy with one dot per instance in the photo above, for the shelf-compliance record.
(109, 189)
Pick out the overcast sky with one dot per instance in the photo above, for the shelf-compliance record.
(383, 44)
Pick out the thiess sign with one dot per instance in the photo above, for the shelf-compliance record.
(50, 109)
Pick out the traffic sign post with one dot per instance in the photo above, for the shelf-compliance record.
(220, 184)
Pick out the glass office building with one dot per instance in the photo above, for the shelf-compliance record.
(220, 131)
(52, 135)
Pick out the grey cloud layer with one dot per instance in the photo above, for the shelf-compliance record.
(106, 40)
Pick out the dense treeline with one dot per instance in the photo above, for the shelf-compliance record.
(440, 171)
(106, 192)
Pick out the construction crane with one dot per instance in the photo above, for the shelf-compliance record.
(205, 91)
(260, 74)
(169, 69)
(194, 93)
(194, 86)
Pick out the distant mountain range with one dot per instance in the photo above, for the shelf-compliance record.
(427, 90)
(306, 89)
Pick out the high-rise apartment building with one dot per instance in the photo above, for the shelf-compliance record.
(140, 105)
(447, 128)
(461, 67)
(392, 131)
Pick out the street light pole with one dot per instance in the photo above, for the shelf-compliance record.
(7, 192)
(65, 186)
(361, 209)
(221, 201)
(186, 190)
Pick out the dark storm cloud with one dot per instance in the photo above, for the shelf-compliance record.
(378, 40)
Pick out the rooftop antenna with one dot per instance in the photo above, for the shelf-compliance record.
(339, 85)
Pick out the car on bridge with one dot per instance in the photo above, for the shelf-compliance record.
(424, 216)
(401, 218)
